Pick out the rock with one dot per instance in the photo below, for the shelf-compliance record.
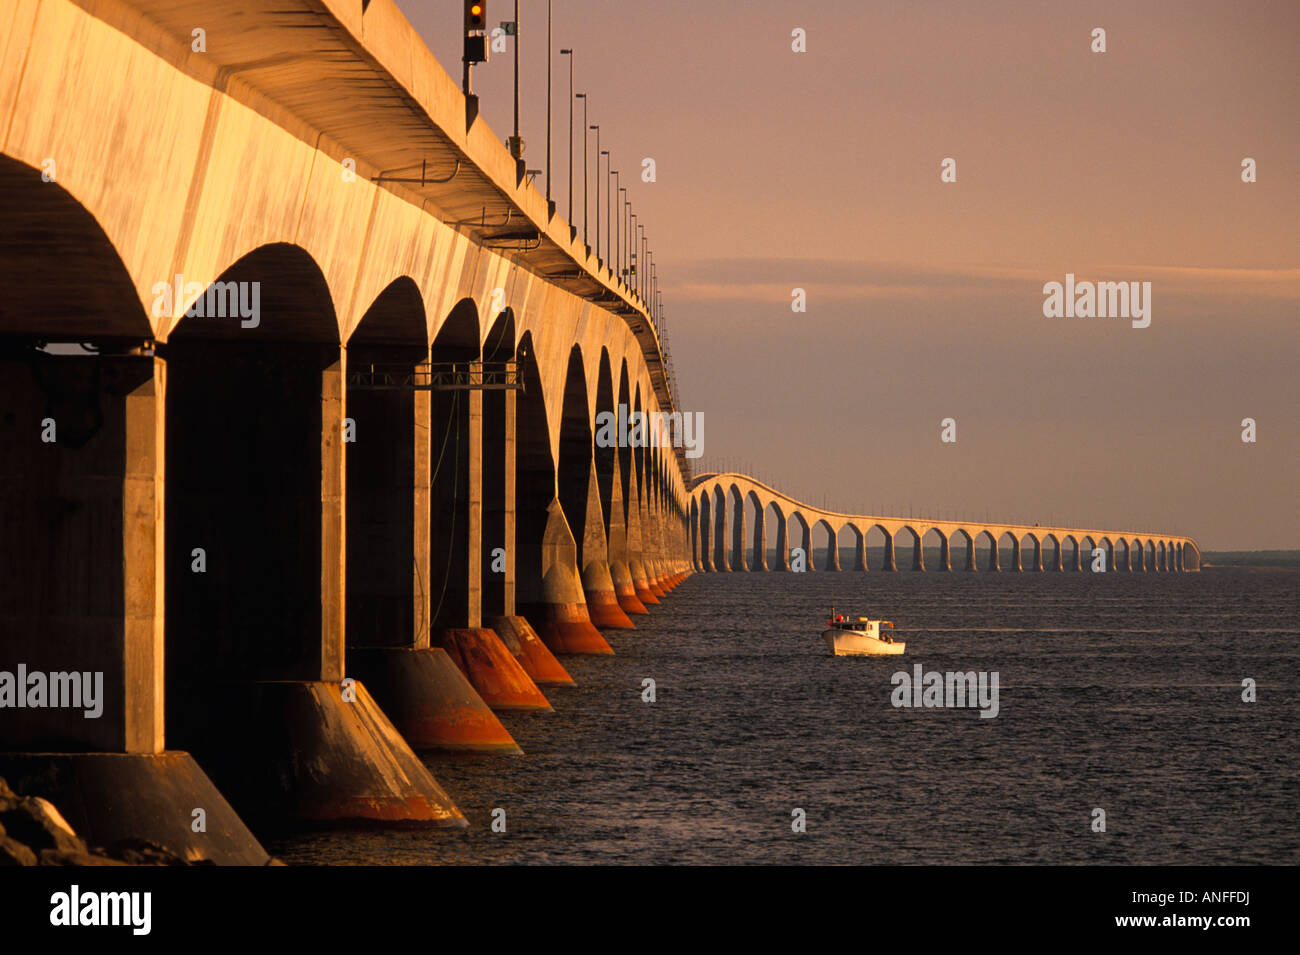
(144, 852)
(56, 857)
(13, 852)
(36, 823)
(8, 798)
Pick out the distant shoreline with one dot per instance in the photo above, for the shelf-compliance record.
(1251, 560)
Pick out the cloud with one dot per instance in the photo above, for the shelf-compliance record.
(755, 280)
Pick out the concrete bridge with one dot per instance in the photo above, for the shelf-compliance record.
(722, 538)
(320, 489)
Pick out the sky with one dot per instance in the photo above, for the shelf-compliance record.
(820, 170)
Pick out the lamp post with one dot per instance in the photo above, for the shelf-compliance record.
(583, 97)
(569, 54)
(626, 218)
(596, 127)
(550, 205)
(609, 208)
(633, 262)
(607, 170)
(618, 251)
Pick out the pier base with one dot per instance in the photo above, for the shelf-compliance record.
(566, 628)
(298, 750)
(602, 603)
(108, 797)
(625, 589)
(429, 700)
(533, 655)
(641, 584)
(492, 669)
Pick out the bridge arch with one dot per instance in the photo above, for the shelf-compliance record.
(799, 533)
(384, 606)
(964, 559)
(720, 521)
(276, 394)
(830, 553)
(62, 280)
(535, 478)
(500, 441)
(934, 539)
(758, 542)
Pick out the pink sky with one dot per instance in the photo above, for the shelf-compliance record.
(820, 170)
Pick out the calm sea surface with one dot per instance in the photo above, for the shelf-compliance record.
(1120, 692)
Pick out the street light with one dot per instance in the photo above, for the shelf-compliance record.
(618, 260)
(596, 127)
(550, 205)
(572, 230)
(583, 97)
(609, 162)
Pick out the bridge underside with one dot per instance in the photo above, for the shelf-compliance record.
(244, 505)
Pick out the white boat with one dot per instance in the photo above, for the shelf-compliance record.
(861, 637)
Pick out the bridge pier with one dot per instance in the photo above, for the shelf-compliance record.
(620, 570)
(389, 611)
(918, 555)
(782, 544)
(561, 611)
(760, 538)
(640, 578)
(263, 624)
(1059, 566)
(82, 589)
(457, 552)
(1038, 555)
(889, 552)
(739, 561)
(597, 578)
(994, 560)
(1016, 565)
(860, 552)
(971, 566)
(945, 558)
(720, 562)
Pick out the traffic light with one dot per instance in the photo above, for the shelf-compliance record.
(476, 40)
(475, 15)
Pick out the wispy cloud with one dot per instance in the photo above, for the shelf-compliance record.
(769, 280)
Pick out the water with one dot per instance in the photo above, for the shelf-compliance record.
(1120, 692)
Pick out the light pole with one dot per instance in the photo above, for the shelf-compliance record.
(596, 127)
(550, 204)
(626, 218)
(618, 251)
(572, 230)
(583, 97)
(633, 263)
(609, 208)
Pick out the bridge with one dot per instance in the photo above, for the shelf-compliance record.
(300, 377)
(722, 541)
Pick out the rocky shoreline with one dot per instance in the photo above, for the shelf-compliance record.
(34, 832)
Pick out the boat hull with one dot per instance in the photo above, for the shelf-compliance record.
(851, 643)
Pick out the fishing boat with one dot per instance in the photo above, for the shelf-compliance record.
(860, 637)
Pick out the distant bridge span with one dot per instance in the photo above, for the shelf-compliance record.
(720, 540)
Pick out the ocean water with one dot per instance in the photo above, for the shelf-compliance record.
(1120, 692)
